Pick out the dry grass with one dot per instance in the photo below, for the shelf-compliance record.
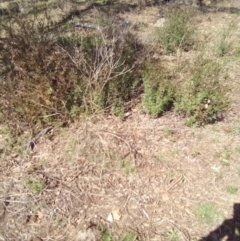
(151, 174)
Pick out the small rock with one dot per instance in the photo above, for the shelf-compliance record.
(110, 218)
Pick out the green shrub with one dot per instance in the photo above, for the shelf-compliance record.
(51, 76)
(177, 31)
(201, 98)
(159, 91)
(36, 77)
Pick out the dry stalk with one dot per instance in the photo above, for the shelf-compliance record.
(105, 64)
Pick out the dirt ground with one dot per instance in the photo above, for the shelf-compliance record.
(142, 175)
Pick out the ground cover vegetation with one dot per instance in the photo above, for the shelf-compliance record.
(99, 78)
(53, 75)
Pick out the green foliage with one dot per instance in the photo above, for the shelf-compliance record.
(106, 236)
(51, 76)
(172, 235)
(128, 167)
(158, 90)
(33, 83)
(35, 186)
(202, 98)
(177, 31)
(208, 213)
(130, 236)
(232, 189)
(168, 132)
(236, 131)
(237, 149)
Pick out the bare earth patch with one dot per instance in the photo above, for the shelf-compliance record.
(143, 175)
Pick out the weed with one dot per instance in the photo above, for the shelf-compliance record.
(58, 222)
(225, 163)
(106, 236)
(172, 235)
(160, 157)
(35, 186)
(237, 53)
(227, 154)
(129, 236)
(208, 213)
(175, 151)
(237, 149)
(176, 32)
(168, 132)
(232, 189)
(202, 98)
(219, 175)
(171, 173)
(128, 167)
(236, 131)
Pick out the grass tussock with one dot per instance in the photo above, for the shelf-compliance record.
(202, 98)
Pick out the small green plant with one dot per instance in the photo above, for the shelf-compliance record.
(35, 186)
(175, 151)
(160, 157)
(237, 149)
(129, 236)
(224, 162)
(168, 132)
(202, 98)
(232, 189)
(158, 90)
(176, 32)
(128, 167)
(106, 236)
(58, 222)
(219, 175)
(208, 213)
(172, 235)
(227, 154)
(171, 173)
(237, 53)
(236, 131)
